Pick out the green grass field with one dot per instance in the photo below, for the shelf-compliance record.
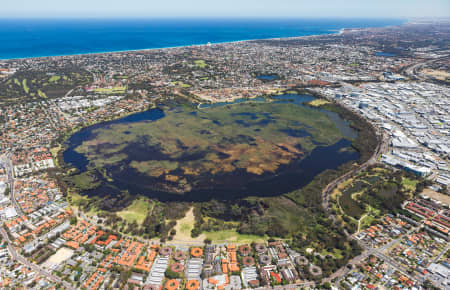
(200, 63)
(136, 211)
(409, 183)
(111, 91)
(42, 94)
(231, 236)
(25, 87)
(54, 79)
(181, 84)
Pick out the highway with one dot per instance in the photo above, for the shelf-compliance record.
(412, 71)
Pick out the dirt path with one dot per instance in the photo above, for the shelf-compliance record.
(184, 227)
(359, 222)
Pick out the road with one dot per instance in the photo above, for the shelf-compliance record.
(359, 222)
(412, 71)
(7, 162)
(16, 256)
(441, 254)
(381, 148)
(341, 273)
(379, 252)
(10, 171)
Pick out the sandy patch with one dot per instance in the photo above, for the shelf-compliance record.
(184, 227)
(60, 256)
(437, 196)
(439, 74)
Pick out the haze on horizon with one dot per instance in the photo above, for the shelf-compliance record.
(225, 9)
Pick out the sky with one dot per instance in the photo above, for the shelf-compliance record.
(225, 8)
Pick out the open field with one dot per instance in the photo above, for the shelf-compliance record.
(445, 199)
(54, 151)
(438, 74)
(200, 63)
(409, 183)
(231, 236)
(110, 91)
(38, 84)
(60, 256)
(181, 84)
(137, 211)
(184, 227)
(54, 79)
(85, 181)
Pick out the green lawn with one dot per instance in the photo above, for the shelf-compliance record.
(335, 253)
(233, 236)
(409, 183)
(200, 63)
(181, 84)
(366, 221)
(42, 94)
(54, 79)
(136, 211)
(76, 198)
(109, 91)
(25, 87)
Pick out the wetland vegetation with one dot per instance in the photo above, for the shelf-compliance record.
(255, 168)
(215, 152)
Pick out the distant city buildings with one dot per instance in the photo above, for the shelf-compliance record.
(46, 243)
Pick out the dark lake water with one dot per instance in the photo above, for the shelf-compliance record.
(234, 185)
(387, 54)
(268, 77)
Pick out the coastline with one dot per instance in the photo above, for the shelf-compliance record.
(330, 32)
(169, 47)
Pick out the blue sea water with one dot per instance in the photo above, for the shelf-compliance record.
(21, 38)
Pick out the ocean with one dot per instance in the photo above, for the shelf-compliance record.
(23, 38)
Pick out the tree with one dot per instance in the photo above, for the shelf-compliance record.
(124, 275)
(89, 248)
(195, 232)
(429, 285)
(171, 274)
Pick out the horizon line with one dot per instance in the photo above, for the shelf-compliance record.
(210, 17)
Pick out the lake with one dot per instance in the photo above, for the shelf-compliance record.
(154, 168)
